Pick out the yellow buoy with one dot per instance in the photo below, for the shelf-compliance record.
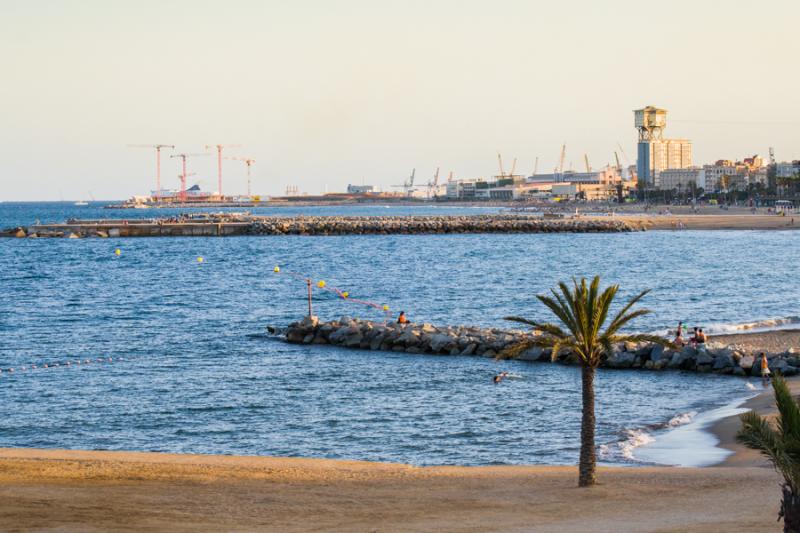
(118, 252)
(200, 259)
(321, 284)
(385, 307)
(276, 269)
(345, 294)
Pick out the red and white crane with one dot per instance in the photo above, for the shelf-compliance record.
(219, 148)
(249, 162)
(183, 175)
(158, 148)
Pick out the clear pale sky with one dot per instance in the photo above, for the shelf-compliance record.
(326, 93)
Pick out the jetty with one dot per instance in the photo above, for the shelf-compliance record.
(232, 224)
(359, 334)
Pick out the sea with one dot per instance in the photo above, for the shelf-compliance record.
(160, 344)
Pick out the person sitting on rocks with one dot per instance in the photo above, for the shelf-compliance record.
(701, 337)
(679, 340)
(401, 319)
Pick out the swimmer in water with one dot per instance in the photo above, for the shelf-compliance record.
(499, 377)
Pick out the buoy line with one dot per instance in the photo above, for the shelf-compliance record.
(80, 362)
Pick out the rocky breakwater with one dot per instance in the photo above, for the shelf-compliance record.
(333, 225)
(466, 340)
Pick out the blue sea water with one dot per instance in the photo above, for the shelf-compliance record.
(198, 374)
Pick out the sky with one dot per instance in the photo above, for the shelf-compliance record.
(326, 93)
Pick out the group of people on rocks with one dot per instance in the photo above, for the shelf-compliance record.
(698, 337)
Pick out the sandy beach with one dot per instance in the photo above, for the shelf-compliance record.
(708, 221)
(133, 491)
(93, 491)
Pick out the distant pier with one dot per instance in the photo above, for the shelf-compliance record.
(224, 225)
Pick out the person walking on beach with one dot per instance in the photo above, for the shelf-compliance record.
(765, 373)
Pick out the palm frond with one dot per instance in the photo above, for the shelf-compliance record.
(756, 433)
(789, 419)
(614, 325)
(515, 350)
(643, 337)
(521, 320)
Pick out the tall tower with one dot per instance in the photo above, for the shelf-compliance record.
(650, 122)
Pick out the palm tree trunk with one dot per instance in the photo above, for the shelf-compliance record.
(790, 509)
(588, 461)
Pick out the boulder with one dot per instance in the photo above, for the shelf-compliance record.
(439, 342)
(723, 360)
(409, 338)
(309, 322)
(746, 362)
(658, 353)
(621, 359)
(470, 349)
(703, 358)
(428, 328)
(533, 353)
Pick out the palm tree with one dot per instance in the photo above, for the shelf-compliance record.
(583, 311)
(781, 445)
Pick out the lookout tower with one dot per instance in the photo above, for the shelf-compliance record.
(655, 153)
(650, 122)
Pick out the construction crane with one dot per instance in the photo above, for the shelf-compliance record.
(434, 183)
(248, 162)
(183, 175)
(219, 148)
(586, 161)
(561, 159)
(500, 162)
(513, 168)
(408, 184)
(535, 166)
(158, 148)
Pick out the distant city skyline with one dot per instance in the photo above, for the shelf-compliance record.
(322, 94)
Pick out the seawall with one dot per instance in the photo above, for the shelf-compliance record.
(209, 225)
(490, 342)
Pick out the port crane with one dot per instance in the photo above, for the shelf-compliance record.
(502, 170)
(433, 184)
(219, 148)
(561, 161)
(248, 162)
(408, 185)
(183, 175)
(158, 148)
(535, 166)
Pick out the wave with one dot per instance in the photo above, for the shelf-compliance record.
(634, 438)
(767, 324)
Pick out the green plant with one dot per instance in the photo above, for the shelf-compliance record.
(781, 445)
(583, 311)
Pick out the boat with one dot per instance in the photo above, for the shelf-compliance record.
(82, 203)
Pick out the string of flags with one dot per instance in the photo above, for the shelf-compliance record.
(323, 286)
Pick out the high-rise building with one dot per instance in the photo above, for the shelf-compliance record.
(654, 152)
